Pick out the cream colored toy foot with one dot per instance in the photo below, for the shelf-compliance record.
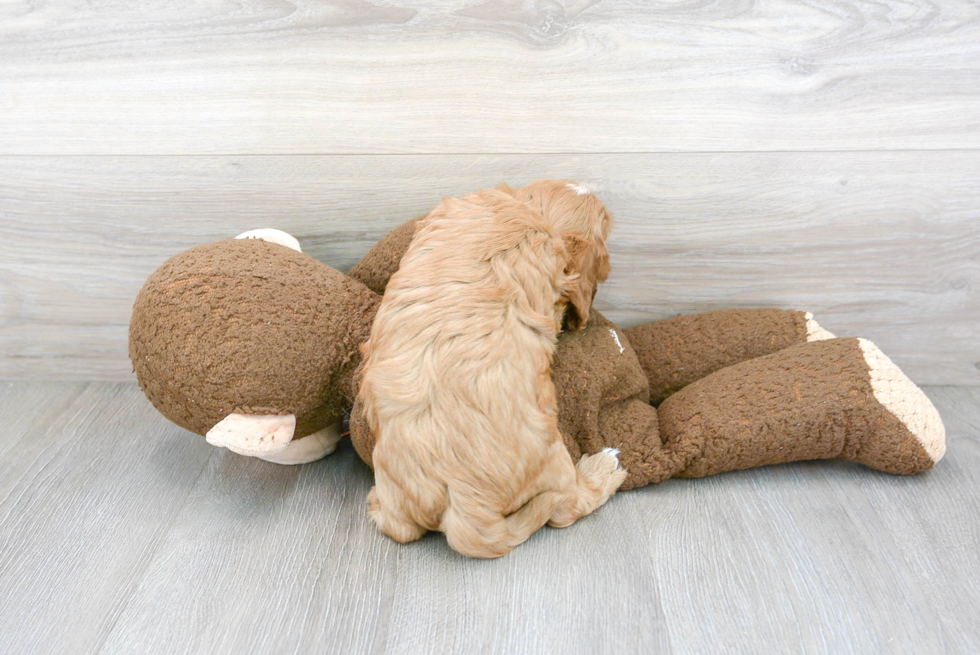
(814, 331)
(918, 423)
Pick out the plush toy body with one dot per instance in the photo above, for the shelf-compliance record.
(256, 345)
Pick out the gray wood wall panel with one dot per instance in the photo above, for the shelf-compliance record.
(884, 245)
(120, 532)
(353, 76)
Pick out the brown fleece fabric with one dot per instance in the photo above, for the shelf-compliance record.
(381, 262)
(603, 402)
(247, 326)
(810, 401)
(677, 351)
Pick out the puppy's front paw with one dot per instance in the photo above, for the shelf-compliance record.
(603, 471)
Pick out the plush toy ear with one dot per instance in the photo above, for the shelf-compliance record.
(272, 236)
(588, 264)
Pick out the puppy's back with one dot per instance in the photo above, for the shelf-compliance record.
(456, 382)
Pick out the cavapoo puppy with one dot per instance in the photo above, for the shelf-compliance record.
(456, 379)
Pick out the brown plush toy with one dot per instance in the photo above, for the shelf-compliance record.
(256, 345)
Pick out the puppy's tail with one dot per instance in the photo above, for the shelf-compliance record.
(477, 531)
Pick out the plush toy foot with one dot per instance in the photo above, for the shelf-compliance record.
(914, 412)
(814, 331)
(309, 448)
(817, 400)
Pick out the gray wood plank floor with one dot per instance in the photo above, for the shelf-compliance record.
(119, 532)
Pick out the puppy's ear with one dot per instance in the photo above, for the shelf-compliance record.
(587, 265)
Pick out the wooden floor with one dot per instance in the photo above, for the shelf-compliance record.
(120, 532)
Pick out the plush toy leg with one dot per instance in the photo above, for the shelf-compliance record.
(678, 351)
(835, 398)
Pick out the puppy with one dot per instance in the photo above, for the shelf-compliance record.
(456, 379)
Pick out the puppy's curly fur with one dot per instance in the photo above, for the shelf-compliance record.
(456, 381)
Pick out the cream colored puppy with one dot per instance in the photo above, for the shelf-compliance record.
(457, 371)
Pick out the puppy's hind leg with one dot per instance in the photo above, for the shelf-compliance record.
(597, 479)
(390, 517)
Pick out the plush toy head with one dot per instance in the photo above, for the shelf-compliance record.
(249, 327)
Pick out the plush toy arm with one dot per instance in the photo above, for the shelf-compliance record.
(631, 427)
(381, 261)
(678, 351)
(834, 398)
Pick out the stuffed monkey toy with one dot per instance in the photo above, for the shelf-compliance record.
(255, 345)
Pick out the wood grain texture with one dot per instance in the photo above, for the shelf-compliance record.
(576, 590)
(86, 493)
(122, 533)
(279, 558)
(819, 551)
(880, 245)
(478, 76)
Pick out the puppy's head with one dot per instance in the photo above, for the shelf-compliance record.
(584, 225)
